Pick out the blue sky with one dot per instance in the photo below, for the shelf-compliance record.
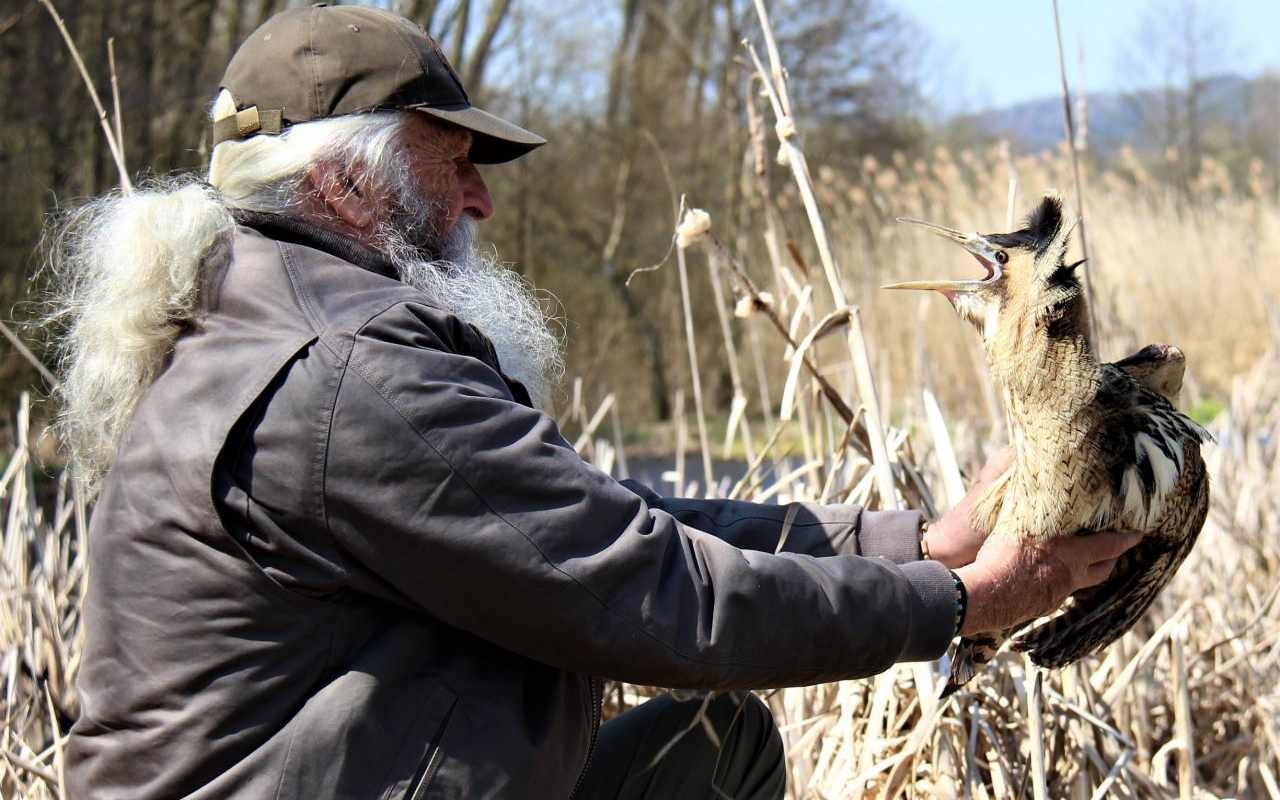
(996, 52)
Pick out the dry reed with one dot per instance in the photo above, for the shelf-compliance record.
(1187, 704)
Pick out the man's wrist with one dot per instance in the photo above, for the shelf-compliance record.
(971, 584)
(932, 621)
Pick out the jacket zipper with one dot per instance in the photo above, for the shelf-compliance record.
(595, 731)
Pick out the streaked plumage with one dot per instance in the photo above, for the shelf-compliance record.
(1097, 445)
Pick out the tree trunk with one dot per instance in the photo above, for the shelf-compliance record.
(479, 55)
(461, 22)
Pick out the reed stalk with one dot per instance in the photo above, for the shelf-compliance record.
(776, 86)
(695, 375)
(113, 144)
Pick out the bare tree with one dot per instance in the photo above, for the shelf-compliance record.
(451, 23)
(640, 98)
(1178, 50)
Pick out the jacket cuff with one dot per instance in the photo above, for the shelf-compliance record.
(894, 535)
(933, 611)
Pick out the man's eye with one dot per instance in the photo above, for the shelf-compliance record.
(1002, 257)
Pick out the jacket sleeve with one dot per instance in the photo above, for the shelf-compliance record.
(816, 529)
(473, 508)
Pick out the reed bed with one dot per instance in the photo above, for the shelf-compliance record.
(42, 580)
(1193, 266)
(1186, 705)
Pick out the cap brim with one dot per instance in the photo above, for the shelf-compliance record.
(496, 141)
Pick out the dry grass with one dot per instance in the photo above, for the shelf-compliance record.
(1187, 704)
(42, 579)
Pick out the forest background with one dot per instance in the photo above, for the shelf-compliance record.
(642, 100)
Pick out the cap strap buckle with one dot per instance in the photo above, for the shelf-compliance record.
(247, 122)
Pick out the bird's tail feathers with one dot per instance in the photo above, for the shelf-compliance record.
(962, 671)
(969, 654)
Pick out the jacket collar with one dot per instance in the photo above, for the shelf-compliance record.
(298, 231)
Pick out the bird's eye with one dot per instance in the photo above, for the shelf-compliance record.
(1002, 257)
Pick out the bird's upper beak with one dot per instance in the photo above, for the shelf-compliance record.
(976, 244)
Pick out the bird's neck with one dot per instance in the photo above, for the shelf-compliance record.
(1053, 379)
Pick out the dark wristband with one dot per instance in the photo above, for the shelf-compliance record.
(962, 601)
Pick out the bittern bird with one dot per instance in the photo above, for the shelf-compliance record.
(1096, 445)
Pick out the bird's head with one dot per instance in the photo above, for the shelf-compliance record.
(1027, 287)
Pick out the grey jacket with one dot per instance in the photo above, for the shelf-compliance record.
(339, 555)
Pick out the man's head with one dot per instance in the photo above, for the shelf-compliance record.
(399, 178)
(402, 183)
(430, 188)
(352, 119)
(354, 65)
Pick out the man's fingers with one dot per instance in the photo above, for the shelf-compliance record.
(1101, 546)
(996, 465)
(1114, 544)
(1098, 572)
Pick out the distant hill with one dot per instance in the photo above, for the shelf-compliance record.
(1116, 118)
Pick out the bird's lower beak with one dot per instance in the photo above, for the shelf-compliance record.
(947, 288)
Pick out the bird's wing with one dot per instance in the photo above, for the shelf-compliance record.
(1149, 444)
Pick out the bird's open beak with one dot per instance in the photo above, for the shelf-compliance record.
(976, 244)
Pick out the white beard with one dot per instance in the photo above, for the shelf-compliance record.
(476, 287)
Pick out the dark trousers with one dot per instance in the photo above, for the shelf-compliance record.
(720, 747)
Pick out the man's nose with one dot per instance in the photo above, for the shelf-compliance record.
(475, 194)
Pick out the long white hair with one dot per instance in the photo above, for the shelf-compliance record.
(125, 269)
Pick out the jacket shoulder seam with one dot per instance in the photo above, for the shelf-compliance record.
(324, 459)
(327, 334)
(319, 326)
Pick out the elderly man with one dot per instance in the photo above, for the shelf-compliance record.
(337, 550)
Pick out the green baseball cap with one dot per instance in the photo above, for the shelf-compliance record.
(326, 61)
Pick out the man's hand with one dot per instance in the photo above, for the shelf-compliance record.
(1012, 582)
(952, 540)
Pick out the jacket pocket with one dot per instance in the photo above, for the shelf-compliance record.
(414, 766)
(365, 738)
(430, 760)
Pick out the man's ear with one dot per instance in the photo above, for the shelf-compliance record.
(337, 188)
